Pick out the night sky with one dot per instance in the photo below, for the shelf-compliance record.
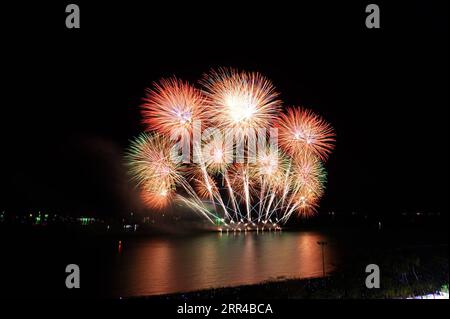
(72, 96)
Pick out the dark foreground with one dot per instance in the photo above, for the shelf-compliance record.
(413, 262)
(414, 273)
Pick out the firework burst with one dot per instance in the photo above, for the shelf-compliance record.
(302, 131)
(157, 199)
(172, 107)
(271, 167)
(206, 188)
(240, 101)
(154, 167)
(310, 174)
(217, 155)
(262, 187)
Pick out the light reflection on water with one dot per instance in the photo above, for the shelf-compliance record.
(167, 265)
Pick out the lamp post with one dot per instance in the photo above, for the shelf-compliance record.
(322, 243)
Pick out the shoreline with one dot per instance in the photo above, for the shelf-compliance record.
(332, 286)
(416, 271)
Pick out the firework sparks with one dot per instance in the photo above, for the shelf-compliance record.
(172, 107)
(157, 199)
(310, 174)
(301, 130)
(240, 101)
(264, 189)
(206, 188)
(154, 168)
(217, 155)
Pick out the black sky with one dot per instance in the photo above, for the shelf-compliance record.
(72, 96)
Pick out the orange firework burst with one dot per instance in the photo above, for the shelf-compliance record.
(154, 167)
(157, 198)
(301, 130)
(205, 187)
(306, 203)
(310, 176)
(172, 107)
(240, 101)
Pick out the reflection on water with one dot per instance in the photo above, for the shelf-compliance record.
(167, 265)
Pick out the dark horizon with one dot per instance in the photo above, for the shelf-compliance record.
(75, 100)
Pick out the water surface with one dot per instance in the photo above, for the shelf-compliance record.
(167, 265)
